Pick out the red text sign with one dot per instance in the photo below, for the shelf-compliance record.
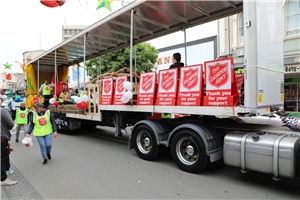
(190, 86)
(42, 121)
(146, 95)
(167, 87)
(107, 91)
(119, 92)
(22, 115)
(220, 90)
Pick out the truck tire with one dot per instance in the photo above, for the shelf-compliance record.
(145, 143)
(188, 151)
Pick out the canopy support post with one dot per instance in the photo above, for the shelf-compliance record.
(78, 77)
(135, 63)
(55, 75)
(131, 44)
(38, 76)
(84, 43)
(185, 48)
(100, 66)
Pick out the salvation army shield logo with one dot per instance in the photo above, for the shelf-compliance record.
(190, 78)
(167, 81)
(147, 82)
(42, 121)
(22, 115)
(120, 83)
(107, 86)
(47, 88)
(218, 74)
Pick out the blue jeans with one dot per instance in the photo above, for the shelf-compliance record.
(45, 143)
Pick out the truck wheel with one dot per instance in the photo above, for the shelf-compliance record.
(188, 151)
(145, 144)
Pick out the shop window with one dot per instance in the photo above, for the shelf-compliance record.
(293, 18)
(241, 28)
(290, 98)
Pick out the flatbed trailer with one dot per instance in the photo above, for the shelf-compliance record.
(207, 134)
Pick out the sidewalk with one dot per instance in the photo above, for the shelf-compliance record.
(22, 190)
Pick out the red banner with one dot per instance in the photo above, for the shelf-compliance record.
(190, 86)
(107, 91)
(239, 78)
(147, 88)
(167, 87)
(119, 91)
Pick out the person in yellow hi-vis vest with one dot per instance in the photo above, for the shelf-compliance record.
(20, 116)
(43, 125)
(46, 91)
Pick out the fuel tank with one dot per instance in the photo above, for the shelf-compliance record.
(274, 154)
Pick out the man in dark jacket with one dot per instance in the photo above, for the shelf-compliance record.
(6, 125)
(176, 63)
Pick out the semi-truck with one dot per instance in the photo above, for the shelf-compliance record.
(205, 134)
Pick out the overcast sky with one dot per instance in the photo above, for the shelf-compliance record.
(22, 22)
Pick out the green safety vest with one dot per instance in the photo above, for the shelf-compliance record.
(46, 90)
(83, 93)
(21, 116)
(60, 99)
(168, 116)
(42, 124)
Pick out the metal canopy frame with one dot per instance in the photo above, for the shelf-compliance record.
(135, 23)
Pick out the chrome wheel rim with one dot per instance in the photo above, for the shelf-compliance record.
(187, 151)
(144, 142)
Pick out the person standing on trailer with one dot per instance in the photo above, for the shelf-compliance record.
(43, 125)
(21, 118)
(46, 91)
(176, 63)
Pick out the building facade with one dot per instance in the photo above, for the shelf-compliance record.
(69, 31)
(231, 43)
(16, 83)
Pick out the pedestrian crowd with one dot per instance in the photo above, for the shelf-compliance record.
(43, 126)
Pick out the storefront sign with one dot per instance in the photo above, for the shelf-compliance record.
(220, 83)
(107, 91)
(147, 88)
(167, 87)
(292, 69)
(120, 91)
(190, 86)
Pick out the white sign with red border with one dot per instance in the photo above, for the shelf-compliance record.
(107, 91)
(119, 90)
(190, 86)
(167, 87)
(147, 88)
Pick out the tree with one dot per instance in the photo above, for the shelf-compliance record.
(145, 56)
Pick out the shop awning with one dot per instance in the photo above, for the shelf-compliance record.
(152, 19)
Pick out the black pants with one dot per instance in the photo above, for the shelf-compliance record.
(4, 158)
(46, 100)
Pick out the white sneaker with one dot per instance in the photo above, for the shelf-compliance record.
(7, 181)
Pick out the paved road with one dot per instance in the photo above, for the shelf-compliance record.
(96, 165)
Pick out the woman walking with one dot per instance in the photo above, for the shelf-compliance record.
(43, 125)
